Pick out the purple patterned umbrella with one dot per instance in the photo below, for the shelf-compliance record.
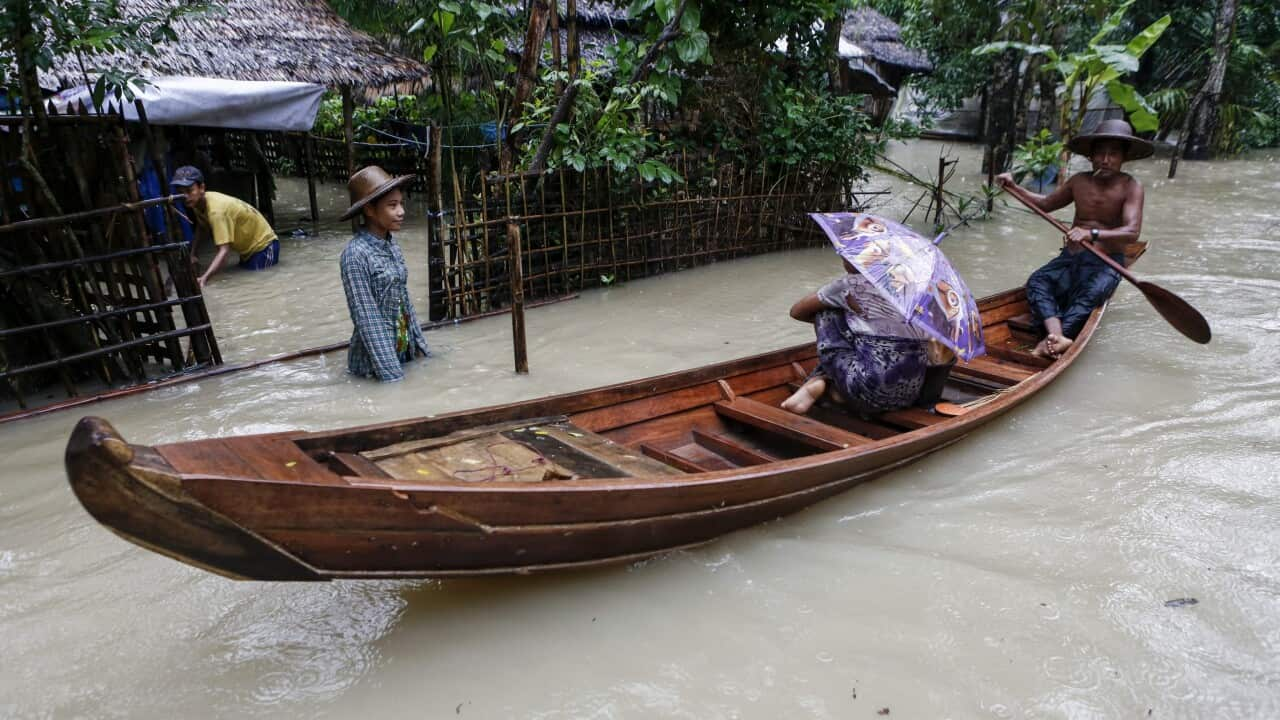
(911, 273)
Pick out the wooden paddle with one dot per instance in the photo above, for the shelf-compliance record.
(1178, 312)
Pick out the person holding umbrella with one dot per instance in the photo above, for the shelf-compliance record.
(899, 309)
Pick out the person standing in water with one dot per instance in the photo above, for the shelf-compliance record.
(375, 278)
(230, 222)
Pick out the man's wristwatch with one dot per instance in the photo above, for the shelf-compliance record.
(1093, 234)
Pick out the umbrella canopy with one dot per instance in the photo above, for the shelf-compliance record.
(912, 274)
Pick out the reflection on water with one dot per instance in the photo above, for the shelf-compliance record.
(1021, 573)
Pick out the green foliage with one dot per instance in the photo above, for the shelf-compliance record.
(465, 43)
(1037, 154)
(610, 130)
(1098, 65)
(813, 128)
(38, 33)
(408, 108)
(1178, 65)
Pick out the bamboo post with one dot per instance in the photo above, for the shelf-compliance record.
(170, 215)
(138, 220)
(86, 279)
(517, 288)
(437, 309)
(349, 136)
(308, 144)
(459, 240)
(613, 239)
(582, 231)
(546, 237)
(484, 248)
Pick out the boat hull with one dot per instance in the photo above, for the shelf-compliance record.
(312, 528)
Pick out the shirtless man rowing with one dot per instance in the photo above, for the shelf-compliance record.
(1108, 205)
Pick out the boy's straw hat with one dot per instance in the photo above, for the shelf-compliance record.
(369, 184)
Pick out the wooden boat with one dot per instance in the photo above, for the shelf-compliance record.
(601, 476)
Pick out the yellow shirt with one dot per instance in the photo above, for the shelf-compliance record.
(236, 222)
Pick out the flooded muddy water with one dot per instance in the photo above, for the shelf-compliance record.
(1027, 571)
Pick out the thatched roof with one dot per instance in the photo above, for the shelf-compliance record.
(599, 12)
(291, 40)
(881, 39)
(592, 42)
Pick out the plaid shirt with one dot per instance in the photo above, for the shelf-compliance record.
(375, 279)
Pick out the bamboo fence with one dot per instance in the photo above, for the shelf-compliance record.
(91, 275)
(588, 229)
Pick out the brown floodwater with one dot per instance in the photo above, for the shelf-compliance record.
(1024, 572)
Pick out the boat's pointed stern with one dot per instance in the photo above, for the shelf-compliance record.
(136, 494)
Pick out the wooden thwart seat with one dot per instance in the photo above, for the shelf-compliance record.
(734, 451)
(986, 368)
(789, 425)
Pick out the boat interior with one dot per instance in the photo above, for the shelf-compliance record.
(717, 422)
(722, 424)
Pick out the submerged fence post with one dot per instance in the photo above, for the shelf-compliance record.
(308, 146)
(436, 307)
(516, 271)
(349, 135)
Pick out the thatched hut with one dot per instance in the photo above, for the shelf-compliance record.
(876, 61)
(290, 40)
(258, 41)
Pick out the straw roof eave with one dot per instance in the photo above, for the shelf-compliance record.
(881, 38)
(283, 40)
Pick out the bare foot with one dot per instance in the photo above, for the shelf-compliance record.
(804, 398)
(1058, 344)
(1042, 349)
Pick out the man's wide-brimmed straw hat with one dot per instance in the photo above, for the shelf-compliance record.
(369, 184)
(1135, 147)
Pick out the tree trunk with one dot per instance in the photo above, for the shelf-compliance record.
(526, 75)
(1202, 116)
(831, 48)
(1049, 86)
(1000, 111)
(1023, 104)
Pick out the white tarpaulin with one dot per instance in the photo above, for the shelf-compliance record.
(210, 102)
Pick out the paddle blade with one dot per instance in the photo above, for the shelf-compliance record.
(1186, 319)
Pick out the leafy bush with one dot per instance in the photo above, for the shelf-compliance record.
(1039, 153)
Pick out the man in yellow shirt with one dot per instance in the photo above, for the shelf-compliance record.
(233, 224)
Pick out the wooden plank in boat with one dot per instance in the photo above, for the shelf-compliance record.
(559, 451)
(645, 409)
(789, 425)
(277, 458)
(531, 450)
(1004, 352)
(207, 457)
(357, 465)
(992, 369)
(912, 418)
(704, 457)
(487, 458)
(261, 457)
(670, 458)
(731, 449)
(409, 446)
(1003, 313)
(1026, 323)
